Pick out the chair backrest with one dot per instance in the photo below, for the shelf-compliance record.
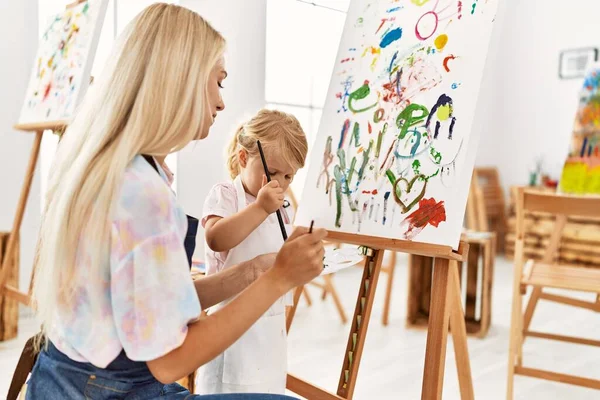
(554, 203)
(477, 219)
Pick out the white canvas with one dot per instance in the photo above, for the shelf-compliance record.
(61, 71)
(395, 150)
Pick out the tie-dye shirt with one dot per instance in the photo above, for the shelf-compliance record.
(145, 298)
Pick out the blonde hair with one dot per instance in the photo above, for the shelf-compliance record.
(277, 131)
(152, 100)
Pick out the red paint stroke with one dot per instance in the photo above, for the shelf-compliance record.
(370, 128)
(373, 192)
(430, 212)
(596, 152)
(459, 9)
(383, 21)
(345, 60)
(450, 57)
(47, 90)
(338, 95)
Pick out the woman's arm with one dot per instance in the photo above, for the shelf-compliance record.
(225, 284)
(223, 234)
(299, 261)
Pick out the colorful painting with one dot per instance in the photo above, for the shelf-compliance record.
(395, 149)
(581, 173)
(63, 62)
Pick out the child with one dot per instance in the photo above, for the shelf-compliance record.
(240, 223)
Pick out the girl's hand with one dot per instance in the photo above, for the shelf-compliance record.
(300, 260)
(270, 196)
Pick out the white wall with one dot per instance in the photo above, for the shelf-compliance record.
(202, 164)
(533, 110)
(18, 42)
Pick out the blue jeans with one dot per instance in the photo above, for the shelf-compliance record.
(55, 376)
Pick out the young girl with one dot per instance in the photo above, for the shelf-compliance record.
(240, 223)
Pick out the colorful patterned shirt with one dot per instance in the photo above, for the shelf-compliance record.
(145, 298)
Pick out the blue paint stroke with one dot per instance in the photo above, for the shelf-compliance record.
(583, 147)
(385, 202)
(392, 62)
(390, 37)
(345, 128)
(391, 10)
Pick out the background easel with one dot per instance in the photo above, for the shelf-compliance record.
(7, 290)
(446, 311)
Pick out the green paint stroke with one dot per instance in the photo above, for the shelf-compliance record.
(380, 139)
(391, 177)
(437, 156)
(365, 161)
(431, 176)
(416, 165)
(351, 171)
(360, 94)
(410, 116)
(338, 195)
(342, 157)
(356, 134)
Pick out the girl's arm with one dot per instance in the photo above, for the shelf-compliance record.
(223, 234)
(227, 283)
(299, 261)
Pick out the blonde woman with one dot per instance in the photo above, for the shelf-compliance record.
(120, 313)
(239, 218)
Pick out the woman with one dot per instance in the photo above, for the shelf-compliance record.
(120, 314)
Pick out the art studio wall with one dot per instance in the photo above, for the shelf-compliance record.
(529, 110)
(19, 31)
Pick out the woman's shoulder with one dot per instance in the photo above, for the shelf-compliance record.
(144, 191)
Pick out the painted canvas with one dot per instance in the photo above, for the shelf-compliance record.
(395, 150)
(63, 62)
(581, 172)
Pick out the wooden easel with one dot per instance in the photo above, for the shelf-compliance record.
(446, 311)
(5, 289)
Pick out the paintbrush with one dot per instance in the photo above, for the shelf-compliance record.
(264, 162)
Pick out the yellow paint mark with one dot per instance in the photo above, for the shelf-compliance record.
(441, 41)
(443, 113)
(577, 178)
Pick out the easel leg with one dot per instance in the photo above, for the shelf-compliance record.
(459, 336)
(25, 189)
(437, 333)
(307, 296)
(290, 317)
(360, 323)
(388, 290)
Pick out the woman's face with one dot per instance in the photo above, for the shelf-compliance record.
(215, 101)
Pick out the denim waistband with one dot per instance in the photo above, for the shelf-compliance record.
(121, 368)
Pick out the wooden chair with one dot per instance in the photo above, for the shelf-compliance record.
(487, 180)
(546, 274)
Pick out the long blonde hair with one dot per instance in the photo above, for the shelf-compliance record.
(277, 131)
(151, 100)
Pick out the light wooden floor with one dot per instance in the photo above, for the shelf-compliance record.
(393, 358)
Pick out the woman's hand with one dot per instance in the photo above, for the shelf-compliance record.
(300, 260)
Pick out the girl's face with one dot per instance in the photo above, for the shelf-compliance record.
(253, 171)
(215, 101)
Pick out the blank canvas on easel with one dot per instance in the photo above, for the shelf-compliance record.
(395, 149)
(63, 63)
